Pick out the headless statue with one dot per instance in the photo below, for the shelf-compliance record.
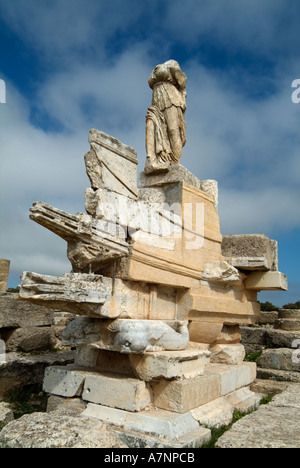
(165, 124)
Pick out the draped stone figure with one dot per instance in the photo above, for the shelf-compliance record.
(165, 124)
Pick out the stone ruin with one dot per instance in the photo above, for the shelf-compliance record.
(158, 292)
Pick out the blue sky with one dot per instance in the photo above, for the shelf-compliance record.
(72, 65)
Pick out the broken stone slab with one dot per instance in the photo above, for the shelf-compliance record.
(64, 381)
(91, 242)
(19, 314)
(74, 292)
(111, 165)
(266, 281)
(231, 354)
(128, 336)
(186, 364)
(251, 252)
(221, 273)
(55, 430)
(167, 427)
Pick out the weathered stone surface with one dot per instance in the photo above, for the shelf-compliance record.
(20, 370)
(183, 395)
(282, 338)
(289, 314)
(30, 339)
(230, 334)
(6, 415)
(288, 324)
(91, 242)
(70, 406)
(278, 375)
(221, 273)
(279, 359)
(269, 387)
(74, 292)
(164, 425)
(233, 377)
(267, 317)
(20, 314)
(254, 335)
(251, 252)
(219, 412)
(128, 336)
(231, 354)
(266, 281)
(276, 425)
(54, 430)
(111, 165)
(64, 381)
(117, 391)
(186, 364)
(4, 271)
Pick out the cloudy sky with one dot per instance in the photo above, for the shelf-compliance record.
(72, 65)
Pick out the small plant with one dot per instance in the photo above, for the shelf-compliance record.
(253, 357)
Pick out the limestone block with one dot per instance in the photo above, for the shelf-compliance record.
(187, 364)
(128, 336)
(184, 395)
(251, 252)
(20, 370)
(117, 391)
(204, 332)
(30, 339)
(229, 335)
(91, 242)
(279, 359)
(267, 281)
(158, 423)
(244, 400)
(56, 430)
(233, 377)
(216, 414)
(227, 354)
(4, 271)
(74, 292)
(267, 317)
(20, 314)
(63, 381)
(289, 314)
(110, 164)
(287, 324)
(282, 338)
